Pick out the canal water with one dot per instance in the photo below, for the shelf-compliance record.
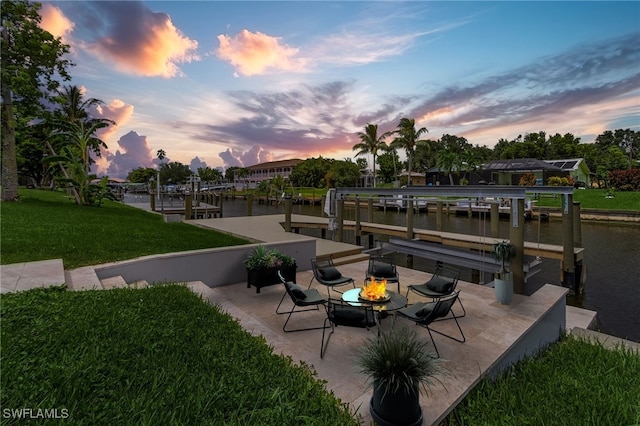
(612, 257)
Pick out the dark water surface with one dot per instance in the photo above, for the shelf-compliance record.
(612, 257)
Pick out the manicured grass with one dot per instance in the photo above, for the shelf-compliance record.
(597, 199)
(154, 356)
(48, 225)
(573, 383)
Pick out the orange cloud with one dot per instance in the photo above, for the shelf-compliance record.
(155, 49)
(254, 53)
(117, 111)
(54, 21)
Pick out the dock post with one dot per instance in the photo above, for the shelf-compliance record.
(439, 216)
(220, 203)
(495, 219)
(516, 237)
(188, 198)
(288, 205)
(250, 205)
(370, 219)
(340, 220)
(410, 218)
(568, 261)
(152, 200)
(358, 227)
(577, 226)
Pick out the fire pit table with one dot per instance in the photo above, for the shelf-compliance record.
(391, 302)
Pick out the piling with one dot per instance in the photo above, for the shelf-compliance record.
(495, 220)
(439, 216)
(288, 206)
(568, 266)
(516, 237)
(357, 217)
(188, 208)
(340, 220)
(250, 205)
(370, 219)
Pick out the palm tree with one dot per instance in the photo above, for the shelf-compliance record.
(371, 143)
(408, 139)
(72, 107)
(448, 160)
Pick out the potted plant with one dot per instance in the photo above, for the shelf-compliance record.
(504, 251)
(263, 265)
(399, 366)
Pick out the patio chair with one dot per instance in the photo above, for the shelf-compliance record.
(424, 314)
(325, 272)
(383, 267)
(442, 283)
(340, 312)
(303, 301)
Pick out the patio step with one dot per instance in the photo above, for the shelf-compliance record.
(354, 258)
(84, 278)
(113, 282)
(609, 342)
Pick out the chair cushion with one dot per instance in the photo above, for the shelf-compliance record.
(297, 291)
(425, 310)
(383, 271)
(440, 285)
(329, 273)
(353, 317)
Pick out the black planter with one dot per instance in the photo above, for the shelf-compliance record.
(263, 277)
(396, 409)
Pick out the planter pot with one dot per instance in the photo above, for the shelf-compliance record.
(394, 409)
(503, 287)
(263, 277)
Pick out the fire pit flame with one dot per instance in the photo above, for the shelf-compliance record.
(375, 290)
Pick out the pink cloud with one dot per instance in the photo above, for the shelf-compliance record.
(117, 111)
(145, 43)
(134, 151)
(254, 53)
(237, 158)
(54, 21)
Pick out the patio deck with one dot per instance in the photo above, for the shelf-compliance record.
(492, 332)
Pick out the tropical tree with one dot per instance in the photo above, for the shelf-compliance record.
(31, 68)
(469, 161)
(408, 138)
(207, 174)
(342, 173)
(141, 174)
(448, 161)
(310, 173)
(371, 143)
(174, 172)
(389, 164)
(75, 160)
(161, 154)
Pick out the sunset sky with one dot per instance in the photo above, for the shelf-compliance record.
(219, 84)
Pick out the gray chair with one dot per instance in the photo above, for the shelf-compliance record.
(442, 283)
(303, 301)
(424, 314)
(326, 273)
(383, 267)
(342, 313)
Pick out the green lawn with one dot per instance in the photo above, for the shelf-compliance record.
(48, 225)
(597, 199)
(572, 383)
(154, 356)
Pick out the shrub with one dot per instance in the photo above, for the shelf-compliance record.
(625, 180)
